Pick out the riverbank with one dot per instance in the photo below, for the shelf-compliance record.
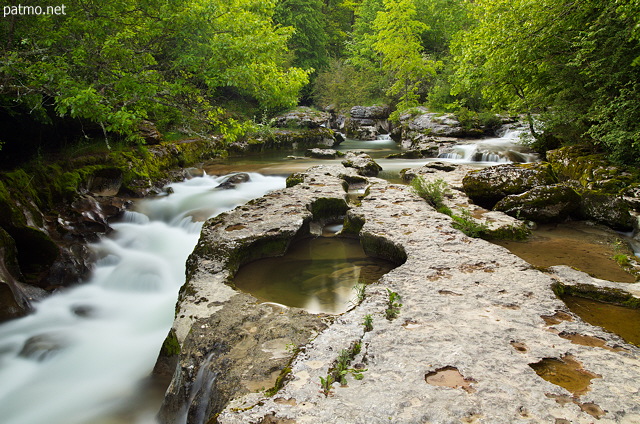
(469, 325)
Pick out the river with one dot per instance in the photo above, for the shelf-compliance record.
(84, 356)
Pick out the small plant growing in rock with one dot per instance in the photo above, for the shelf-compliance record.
(393, 305)
(465, 223)
(433, 192)
(368, 322)
(326, 384)
(359, 290)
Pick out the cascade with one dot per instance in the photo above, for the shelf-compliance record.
(84, 353)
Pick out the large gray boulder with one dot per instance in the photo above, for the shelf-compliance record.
(366, 122)
(303, 117)
(542, 204)
(489, 185)
(362, 163)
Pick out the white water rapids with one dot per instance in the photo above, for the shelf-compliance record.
(83, 355)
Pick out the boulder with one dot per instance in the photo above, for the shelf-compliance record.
(608, 209)
(592, 171)
(366, 122)
(542, 204)
(362, 163)
(323, 153)
(303, 117)
(488, 186)
(233, 180)
(370, 112)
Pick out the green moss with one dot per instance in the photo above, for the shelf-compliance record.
(328, 207)
(511, 232)
(170, 346)
(279, 381)
(295, 179)
(352, 224)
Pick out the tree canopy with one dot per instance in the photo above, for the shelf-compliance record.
(115, 63)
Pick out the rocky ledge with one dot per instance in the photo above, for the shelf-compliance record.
(455, 333)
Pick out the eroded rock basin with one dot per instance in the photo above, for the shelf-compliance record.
(318, 275)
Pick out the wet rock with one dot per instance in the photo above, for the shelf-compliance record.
(42, 347)
(489, 185)
(149, 132)
(323, 153)
(499, 304)
(303, 117)
(233, 180)
(542, 204)
(362, 163)
(608, 209)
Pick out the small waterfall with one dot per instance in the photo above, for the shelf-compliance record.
(504, 149)
(81, 357)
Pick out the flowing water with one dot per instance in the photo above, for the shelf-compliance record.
(85, 352)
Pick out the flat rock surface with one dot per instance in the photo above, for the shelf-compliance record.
(461, 348)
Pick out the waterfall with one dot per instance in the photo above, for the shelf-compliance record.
(84, 352)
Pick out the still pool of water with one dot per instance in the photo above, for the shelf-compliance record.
(616, 319)
(318, 275)
(589, 248)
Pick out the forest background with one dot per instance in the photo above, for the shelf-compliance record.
(570, 68)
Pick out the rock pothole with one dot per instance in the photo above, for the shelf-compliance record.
(450, 377)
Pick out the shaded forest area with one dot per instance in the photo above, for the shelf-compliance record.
(569, 67)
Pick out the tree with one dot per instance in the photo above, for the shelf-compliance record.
(398, 41)
(115, 63)
(569, 62)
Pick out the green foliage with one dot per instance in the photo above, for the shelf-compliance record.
(116, 63)
(465, 223)
(434, 192)
(393, 305)
(343, 85)
(326, 384)
(368, 322)
(572, 64)
(397, 40)
(360, 293)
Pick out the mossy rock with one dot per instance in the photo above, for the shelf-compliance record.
(295, 179)
(328, 207)
(380, 247)
(544, 204)
(489, 185)
(602, 294)
(591, 170)
(352, 224)
(605, 208)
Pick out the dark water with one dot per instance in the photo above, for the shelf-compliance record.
(318, 275)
